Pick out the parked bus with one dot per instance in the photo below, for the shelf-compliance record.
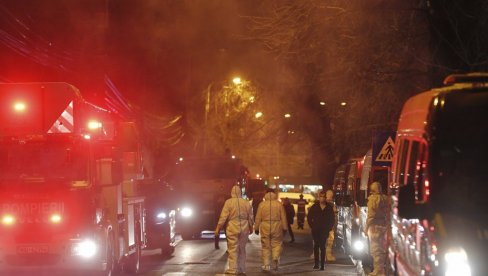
(346, 189)
(440, 174)
(370, 173)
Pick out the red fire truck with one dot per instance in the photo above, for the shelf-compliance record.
(68, 171)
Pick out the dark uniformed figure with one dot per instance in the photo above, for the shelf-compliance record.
(257, 197)
(301, 203)
(290, 216)
(321, 220)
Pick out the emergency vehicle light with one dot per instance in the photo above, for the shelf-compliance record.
(94, 125)
(19, 106)
(8, 220)
(86, 248)
(161, 215)
(359, 246)
(55, 218)
(186, 212)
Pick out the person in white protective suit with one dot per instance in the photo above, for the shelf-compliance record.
(237, 213)
(271, 224)
(377, 224)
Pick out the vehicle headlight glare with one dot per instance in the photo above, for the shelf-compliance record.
(359, 246)
(186, 212)
(161, 215)
(8, 220)
(86, 248)
(457, 262)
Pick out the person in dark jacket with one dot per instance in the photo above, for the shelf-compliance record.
(301, 203)
(320, 218)
(290, 215)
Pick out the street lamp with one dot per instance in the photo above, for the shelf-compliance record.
(236, 80)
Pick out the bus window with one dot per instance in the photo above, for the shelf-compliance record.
(421, 181)
(412, 162)
(402, 159)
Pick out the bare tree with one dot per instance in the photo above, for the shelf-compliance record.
(359, 58)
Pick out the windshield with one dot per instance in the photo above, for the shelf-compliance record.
(459, 155)
(32, 161)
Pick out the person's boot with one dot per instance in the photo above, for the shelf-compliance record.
(316, 259)
(275, 264)
(329, 256)
(328, 249)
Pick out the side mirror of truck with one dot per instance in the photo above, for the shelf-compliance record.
(407, 208)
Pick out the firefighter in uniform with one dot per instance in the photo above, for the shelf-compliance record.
(301, 203)
(376, 227)
(329, 197)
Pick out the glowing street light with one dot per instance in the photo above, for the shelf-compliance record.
(259, 114)
(287, 115)
(343, 103)
(322, 103)
(236, 80)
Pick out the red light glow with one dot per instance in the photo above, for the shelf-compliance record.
(93, 125)
(55, 218)
(8, 220)
(19, 106)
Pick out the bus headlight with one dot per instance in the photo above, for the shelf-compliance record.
(85, 248)
(457, 262)
(161, 215)
(358, 246)
(186, 212)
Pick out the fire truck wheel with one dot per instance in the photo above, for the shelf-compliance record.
(133, 262)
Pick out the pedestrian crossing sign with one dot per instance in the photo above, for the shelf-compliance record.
(386, 153)
(383, 147)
